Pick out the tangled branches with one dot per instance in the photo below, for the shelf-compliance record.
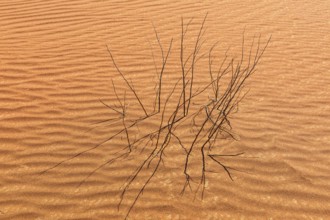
(209, 119)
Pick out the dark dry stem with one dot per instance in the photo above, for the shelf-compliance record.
(150, 157)
(161, 76)
(196, 50)
(128, 84)
(183, 64)
(108, 106)
(223, 166)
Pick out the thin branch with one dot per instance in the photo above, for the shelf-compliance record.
(223, 166)
(128, 84)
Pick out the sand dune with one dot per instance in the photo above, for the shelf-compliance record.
(54, 69)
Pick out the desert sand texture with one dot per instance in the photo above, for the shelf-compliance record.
(55, 72)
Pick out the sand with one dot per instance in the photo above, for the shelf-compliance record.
(54, 69)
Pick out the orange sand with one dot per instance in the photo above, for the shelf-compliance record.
(54, 68)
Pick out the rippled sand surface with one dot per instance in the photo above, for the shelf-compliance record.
(54, 69)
